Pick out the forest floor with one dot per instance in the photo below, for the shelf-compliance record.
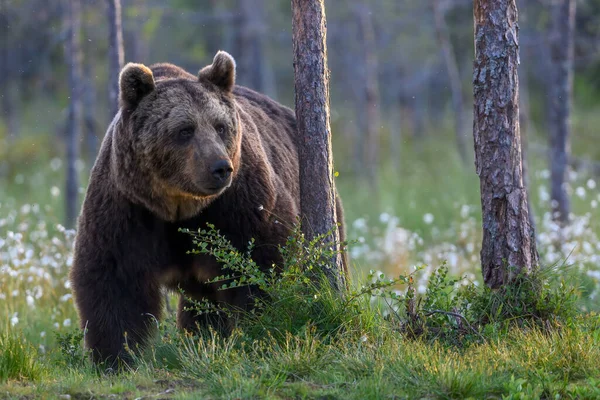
(424, 215)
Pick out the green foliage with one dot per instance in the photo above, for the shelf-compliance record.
(290, 299)
(72, 352)
(18, 359)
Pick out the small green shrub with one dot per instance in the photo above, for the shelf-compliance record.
(72, 352)
(298, 298)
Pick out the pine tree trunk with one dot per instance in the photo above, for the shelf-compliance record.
(74, 55)
(311, 82)
(458, 107)
(115, 54)
(562, 48)
(509, 246)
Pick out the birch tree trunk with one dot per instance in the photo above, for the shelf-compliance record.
(509, 246)
(74, 55)
(115, 54)
(458, 107)
(311, 83)
(561, 50)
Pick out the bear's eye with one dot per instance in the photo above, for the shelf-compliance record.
(186, 133)
(220, 128)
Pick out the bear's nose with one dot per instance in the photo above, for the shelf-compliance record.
(221, 170)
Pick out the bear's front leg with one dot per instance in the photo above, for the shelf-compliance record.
(117, 315)
(118, 307)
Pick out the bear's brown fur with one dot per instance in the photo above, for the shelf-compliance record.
(183, 151)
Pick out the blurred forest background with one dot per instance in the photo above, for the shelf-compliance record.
(401, 99)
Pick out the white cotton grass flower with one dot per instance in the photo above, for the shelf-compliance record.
(591, 184)
(428, 218)
(384, 217)
(14, 319)
(65, 297)
(580, 192)
(55, 191)
(55, 164)
(67, 322)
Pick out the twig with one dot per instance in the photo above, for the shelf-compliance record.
(457, 315)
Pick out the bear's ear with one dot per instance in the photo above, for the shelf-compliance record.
(135, 82)
(221, 72)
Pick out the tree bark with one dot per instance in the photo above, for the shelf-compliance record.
(443, 37)
(74, 55)
(115, 54)
(509, 247)
(311, 83)
(561, 50)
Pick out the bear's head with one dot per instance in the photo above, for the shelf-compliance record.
(176, 143)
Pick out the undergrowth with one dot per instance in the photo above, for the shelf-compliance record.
(379, 339)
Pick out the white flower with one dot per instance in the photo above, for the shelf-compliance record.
(30, 300)
(14, 319)
(43, 334)
(591, 184)
(384, 217)
(360, 224)
(65, 297)
(55, 164)
(428, 218)
(67, 322)
(580, 192)
(54, 191)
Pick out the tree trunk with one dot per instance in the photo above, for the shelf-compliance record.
(89, 101)
(115, 54)
(369, 79)
(251, 57)
(74, 56)
(562, 48)
(89, 96)
(525, 125)
(458, 107)
(311, 83)
(508, 247)
(9, 66)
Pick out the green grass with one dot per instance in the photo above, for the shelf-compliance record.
(538, 342)
(532, 363)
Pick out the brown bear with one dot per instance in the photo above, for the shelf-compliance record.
(183, 151)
